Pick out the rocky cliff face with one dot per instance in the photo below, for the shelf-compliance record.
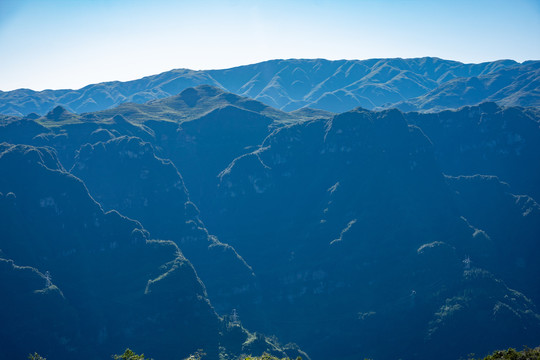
(103, 284)
(488, 140)
(512, 223)
(375, 234)
(120, 283)
(35, 312)
(350, 222)
(124, 174)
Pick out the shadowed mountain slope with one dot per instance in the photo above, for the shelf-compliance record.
(124, 174)
(363, 234)
(349, 224)
(487, 139)
(94, 278)
(201, 130)
(512, 222)
(33, 306)
(54, 225)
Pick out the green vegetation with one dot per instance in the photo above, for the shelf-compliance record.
(36, 356)
(129, 355)
(512, 354)
(198, 355)
(266, 356)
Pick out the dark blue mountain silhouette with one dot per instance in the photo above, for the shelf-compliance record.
(379, 234)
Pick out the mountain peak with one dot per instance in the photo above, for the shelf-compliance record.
(32, 116)
(192, 95)
(59, 113)
(208, 89)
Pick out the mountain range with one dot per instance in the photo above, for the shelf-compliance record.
(421, 84)
(178, 224)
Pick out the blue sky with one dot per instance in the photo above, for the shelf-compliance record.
(71, 43)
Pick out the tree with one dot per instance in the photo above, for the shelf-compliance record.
(267, 356)
(130, 355)
(512, 354)
(36, 356)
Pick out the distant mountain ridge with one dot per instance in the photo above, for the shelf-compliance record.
(514, 85)
(288, 85)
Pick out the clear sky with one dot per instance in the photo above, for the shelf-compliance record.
(53, 44)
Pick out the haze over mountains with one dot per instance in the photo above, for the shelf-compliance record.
(382, 234)
(411, 84)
